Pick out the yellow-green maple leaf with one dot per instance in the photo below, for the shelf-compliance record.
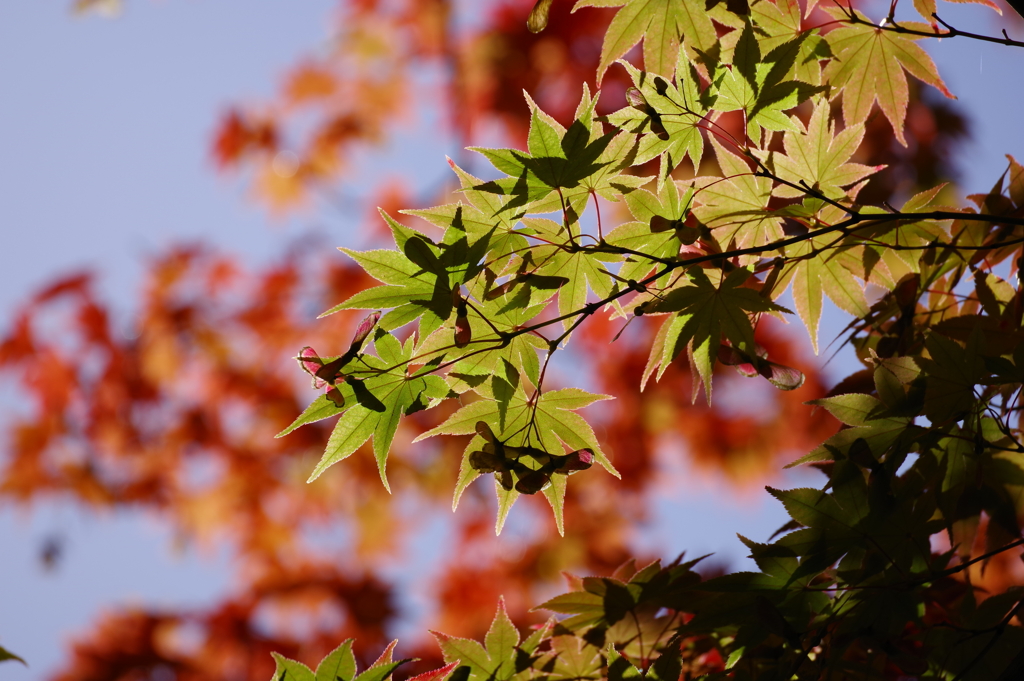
(661, 24)
(819, 157)
(736, 209)
(707, 311)
(868, 66)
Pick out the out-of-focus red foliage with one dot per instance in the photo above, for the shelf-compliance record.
(479, 60)
(232, 641)
(175, 412)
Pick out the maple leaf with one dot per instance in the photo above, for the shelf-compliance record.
(819, 158)
(498, 659)
(622, 605)
(892, 242)
(668, 117)
(952, 373)
(928, 8)
(736, 208)
(580, 267)
(417, 280)
(868, 422)
(706, 312)
(758, 86)
(557, 159)
(110, 8)
(8, 655)
(782, 22)
(869, 66)
(310, 82)
(573, 659)
(543, 423)
(821, 264)
(339, 665)
(485, 359)
(382, 392)
(661, 24)
(657, 231)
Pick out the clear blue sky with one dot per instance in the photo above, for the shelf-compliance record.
(104, 135)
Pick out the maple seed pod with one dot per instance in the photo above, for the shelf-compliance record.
(463, 334)
(545, 281)
(331, 371)
(781, 376)
(687, 235)
(637, 100)
(504, 479)
(335, 396)
(580, 460)
(484, 431)
(311, 363)
(538, 455)
(532, 482)
(501, 289)
(731, 357)
(662, 224)
(486, 461)
(496, 448)
(906, 292)
(363, 330)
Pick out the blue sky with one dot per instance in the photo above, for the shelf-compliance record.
(104, 136)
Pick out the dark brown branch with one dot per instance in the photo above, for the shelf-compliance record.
(951, 32)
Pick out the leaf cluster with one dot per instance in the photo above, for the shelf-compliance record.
(929, 450)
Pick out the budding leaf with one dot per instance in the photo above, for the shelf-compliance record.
(538, 19)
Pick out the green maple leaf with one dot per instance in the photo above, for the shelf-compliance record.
(497, 659)
(483, 357)
(819, 265)
(867, 420)
(758, 86)
(625, 610)
(869, 66)
(818, 510)
(736, 209)
(905, 233)
(660, 24)
(782, 22)
(418, 277)
(580, 267)
(573, 659)
(470, 235)
(8, 655)
(669, 119)
(339, 665)
(504, 241)
(382, 393)
(548, 425)
(928, 8)
(320, 409)
(819, 157)
(708, 311)
(952, 374)
(557, 161)
(655, 232)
